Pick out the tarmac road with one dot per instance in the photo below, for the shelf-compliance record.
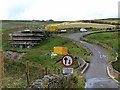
(96, 76)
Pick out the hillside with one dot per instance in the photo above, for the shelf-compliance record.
(41, 54)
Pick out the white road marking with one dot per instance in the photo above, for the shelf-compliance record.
(100, 56)
(99, 52)
(104, 56)
(102, 85)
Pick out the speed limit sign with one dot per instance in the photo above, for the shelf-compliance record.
(67, 60)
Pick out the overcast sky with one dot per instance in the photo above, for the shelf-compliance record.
(58, 9)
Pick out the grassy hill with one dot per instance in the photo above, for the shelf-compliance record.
(96, 24)
(82, 25)
(107, 20)
(114, 20)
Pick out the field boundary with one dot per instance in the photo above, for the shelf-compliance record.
(111, 71)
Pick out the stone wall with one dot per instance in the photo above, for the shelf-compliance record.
(111, 71)
(83, 66)
(51, 81)
(13, 55)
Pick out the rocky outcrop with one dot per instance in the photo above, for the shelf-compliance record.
(13, 55)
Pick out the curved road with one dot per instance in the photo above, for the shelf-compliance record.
(96, 75)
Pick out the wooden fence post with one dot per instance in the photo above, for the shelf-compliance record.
(55, 71)
(1, 68)
(58, 71)
(49, 71)
(27, 72)
(46, 70)
(39, 71)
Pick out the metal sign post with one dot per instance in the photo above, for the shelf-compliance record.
(67, 61)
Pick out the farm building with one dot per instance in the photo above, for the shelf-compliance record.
(26, 38)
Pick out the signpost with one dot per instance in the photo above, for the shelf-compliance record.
(67, 70)
(67, 61)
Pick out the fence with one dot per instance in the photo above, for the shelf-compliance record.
(1, 68)
(53, 81)
(23, 74)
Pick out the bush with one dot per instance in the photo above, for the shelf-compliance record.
(75, 80)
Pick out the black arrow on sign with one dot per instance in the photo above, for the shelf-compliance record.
(65, 60)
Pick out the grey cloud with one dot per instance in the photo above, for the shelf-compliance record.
(18, 9)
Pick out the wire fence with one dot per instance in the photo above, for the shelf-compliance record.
(23, 74)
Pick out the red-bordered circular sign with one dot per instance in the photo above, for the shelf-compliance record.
(67, 60)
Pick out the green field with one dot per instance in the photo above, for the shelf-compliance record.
(15, 76)
(41, 53)
(111, 39)
(17, 24)
(108, 20)
(82, 25)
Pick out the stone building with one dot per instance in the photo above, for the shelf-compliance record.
(26, 38)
